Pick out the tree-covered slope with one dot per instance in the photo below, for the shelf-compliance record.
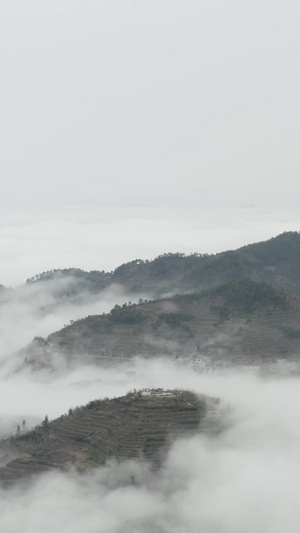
(239, 319)
(275, 261)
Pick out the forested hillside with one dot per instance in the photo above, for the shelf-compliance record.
(240, 320)
(275, 261)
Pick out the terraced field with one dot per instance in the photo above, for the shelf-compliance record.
(139, 425)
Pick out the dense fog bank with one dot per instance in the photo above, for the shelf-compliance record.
(244, 479)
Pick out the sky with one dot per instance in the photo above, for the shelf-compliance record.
(139, 103)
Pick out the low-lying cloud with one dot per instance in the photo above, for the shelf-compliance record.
(243, 479)
(38, 309)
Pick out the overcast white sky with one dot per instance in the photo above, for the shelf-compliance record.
(141, 102)
(180, 105)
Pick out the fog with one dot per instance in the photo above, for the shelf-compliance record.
(40, 308)
(244, 479)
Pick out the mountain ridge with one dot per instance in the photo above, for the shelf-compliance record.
(274, 261)
(238, 320)
(243, 305)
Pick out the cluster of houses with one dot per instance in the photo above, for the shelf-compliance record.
(203, 364)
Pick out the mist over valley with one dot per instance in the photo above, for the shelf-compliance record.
(172, 399)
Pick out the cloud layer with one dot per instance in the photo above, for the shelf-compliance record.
(244, 479)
